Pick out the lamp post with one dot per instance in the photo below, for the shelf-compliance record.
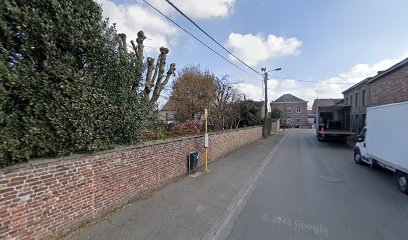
(265, 75)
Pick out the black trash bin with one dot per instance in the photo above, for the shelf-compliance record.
(192, 162)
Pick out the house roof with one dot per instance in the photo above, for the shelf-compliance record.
(169, 106)
(340, 102)
(288, 98)
(378, 76)
(389, 70)
(359, 84)
(327, 101)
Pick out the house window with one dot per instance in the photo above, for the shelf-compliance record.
(288, 120)
(298, 121)
(356, 123)
(351, 100)
(363, 98)
(289, 110)
(346, 100)
(298, 110)
(356, 99)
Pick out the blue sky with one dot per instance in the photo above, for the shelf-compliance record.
(336, 42)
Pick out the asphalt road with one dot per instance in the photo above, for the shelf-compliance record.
(314, 190)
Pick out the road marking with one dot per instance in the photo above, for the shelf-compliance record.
(223, 225)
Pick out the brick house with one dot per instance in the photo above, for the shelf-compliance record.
(293, 108)
(389, 86)
(168, 112)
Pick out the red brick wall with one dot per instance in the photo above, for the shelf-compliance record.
(43, 199)
(391, 88)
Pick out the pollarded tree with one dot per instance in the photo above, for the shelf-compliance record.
(154, 81)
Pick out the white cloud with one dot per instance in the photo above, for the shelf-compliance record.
(133, 17)
(256, 92)
(199, 9)
(333, 87)
(253, 49)
(328, 88)
(250, 91)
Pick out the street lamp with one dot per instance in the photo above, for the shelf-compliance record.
(265, 75)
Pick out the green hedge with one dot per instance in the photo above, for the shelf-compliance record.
(64, 87)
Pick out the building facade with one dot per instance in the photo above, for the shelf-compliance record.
(389, 86)
(294, 110)
(357, 97)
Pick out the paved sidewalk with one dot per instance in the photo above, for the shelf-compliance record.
(188, 208)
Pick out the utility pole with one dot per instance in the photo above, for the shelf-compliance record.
(265, 128)
(265, 75)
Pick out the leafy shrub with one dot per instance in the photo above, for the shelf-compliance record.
(64, 85)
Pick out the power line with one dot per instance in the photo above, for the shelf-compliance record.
(195, 24)
(186, 31)
(208, 35)
(171, 20)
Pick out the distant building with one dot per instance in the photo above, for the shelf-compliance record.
(324, 102)
(321, 102)
(294, 110)
(389, 86)
(311, 118)
(168, 112)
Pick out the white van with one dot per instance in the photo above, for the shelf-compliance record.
(384, 141)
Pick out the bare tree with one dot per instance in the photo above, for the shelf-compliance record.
(225, 110)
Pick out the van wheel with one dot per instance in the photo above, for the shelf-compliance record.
(357, 156)
(402, 180)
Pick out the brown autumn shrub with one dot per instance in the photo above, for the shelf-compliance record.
(189, 127)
